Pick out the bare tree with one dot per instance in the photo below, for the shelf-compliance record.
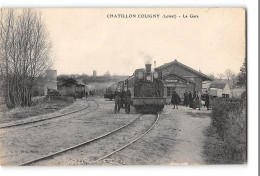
(221, 76)
(24, 52)
(230, 76)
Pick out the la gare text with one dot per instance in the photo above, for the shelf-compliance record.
(145, 16)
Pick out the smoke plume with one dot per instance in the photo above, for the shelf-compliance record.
(148, 59)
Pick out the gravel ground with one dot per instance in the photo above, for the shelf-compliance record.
(77, 105)
(22, 144)
(86, 155)
(176, 139)
(42, 107)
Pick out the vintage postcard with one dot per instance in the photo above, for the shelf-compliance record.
(123, 86)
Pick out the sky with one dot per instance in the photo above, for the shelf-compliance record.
(85, 39)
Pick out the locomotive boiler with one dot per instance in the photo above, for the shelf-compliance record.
(147, 89)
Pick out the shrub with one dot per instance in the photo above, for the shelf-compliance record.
(229, 118)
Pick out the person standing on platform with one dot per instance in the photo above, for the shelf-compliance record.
(190, 99)
(186, 97)
(122, 105)
(86, 95)
(117, 101)
(207, 100)
(127, 101)
(175, 99)
(195, 100)
(199, 100)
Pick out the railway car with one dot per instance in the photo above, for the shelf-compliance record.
(109, 94)
(110, 91)
(147, 89)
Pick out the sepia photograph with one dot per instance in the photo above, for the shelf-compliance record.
(123, 86)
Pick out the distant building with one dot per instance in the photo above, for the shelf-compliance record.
(94, 73)
(219, 89)
(72, 87)
(50, 81)
(205, 86)
(179, 77)
(229, 81)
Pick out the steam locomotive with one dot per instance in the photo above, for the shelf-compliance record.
(147, 89)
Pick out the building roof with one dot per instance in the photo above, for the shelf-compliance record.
(206, 85)
(175, 62)
(80, 82)
(71, 81)
(178, 76)
(218, 85)
(220, 80)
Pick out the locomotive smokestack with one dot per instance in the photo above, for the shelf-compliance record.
(148, 68)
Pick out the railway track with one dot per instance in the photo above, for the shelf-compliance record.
(50, 156)
(53, 117)
(128, 144)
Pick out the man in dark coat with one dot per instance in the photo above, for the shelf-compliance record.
(127, 101)
(207, 100)
(190, 99)
(195, 100)
(186, 97)
(117, 101)
(86, 94)
(175, 99)
(122, 105)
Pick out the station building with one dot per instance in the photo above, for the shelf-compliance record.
(179, 77)
(71, 87)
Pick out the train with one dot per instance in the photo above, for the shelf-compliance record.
(147, 89)
(109, 94)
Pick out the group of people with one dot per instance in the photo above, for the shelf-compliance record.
(122, 100)
(190, 100)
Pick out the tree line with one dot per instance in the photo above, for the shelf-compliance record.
(25, 54)
(92, 79)
(231, 77)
